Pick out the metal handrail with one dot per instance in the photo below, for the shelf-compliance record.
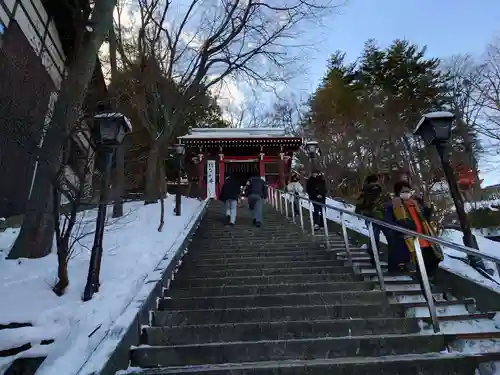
(455, 246)
(275, 198)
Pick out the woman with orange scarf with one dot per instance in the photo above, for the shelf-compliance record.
(406, 211)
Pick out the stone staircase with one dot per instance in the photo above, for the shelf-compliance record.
(270, 300)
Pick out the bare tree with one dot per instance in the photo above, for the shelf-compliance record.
(489, 88)
(466, 77)
(68, 230)
(203, 45)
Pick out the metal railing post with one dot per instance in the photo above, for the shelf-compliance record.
(285, 197)
(376, 258)
(346, 240)
(293, 198)
(311, 218)
(427, 287)
(301, 214)
(325, 226)
(280, 197)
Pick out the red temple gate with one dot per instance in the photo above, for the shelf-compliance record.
(242, 152)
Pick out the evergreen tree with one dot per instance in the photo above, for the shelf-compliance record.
(365, 113)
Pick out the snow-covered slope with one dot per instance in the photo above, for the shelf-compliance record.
(132, 249)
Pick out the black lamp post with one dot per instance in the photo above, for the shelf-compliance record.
(435, 129)
(109, 130)
(312, 148)
(179, 158)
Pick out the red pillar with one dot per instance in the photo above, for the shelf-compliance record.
(281, 170)
(201, 173)
(262, 168)
(221, 173)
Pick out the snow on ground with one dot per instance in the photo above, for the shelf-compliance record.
(454, 265)
(132, 249)
(491, 204)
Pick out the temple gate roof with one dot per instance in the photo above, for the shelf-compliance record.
(240, 137)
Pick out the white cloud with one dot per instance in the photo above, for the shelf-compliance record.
(230, 96)
(130, 17)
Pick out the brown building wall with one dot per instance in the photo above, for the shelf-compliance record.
(24, 97)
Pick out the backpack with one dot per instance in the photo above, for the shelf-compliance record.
(379, 205)
(372, 201)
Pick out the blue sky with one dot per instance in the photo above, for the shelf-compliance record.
(446, 27)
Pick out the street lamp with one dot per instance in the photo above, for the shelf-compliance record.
(435, 129)
(311, 148)
(109, 130)
(179, 156)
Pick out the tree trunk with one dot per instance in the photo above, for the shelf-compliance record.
(162, 214)
(151, 187)
(35, 237)
(118, 181)
(62, 269)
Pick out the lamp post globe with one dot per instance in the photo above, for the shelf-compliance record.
(110, 128)
(435, 129)
(311, 148)
(108, 131)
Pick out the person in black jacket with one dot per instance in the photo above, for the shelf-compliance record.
(256, 191)
(316, 190)
(230, 194)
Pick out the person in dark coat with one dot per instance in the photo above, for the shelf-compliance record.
(316, 190)
(230, 194)
(256, 191)
(371, 203)
(403, 210)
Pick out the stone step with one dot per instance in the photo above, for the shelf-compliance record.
(278, 313)
(247, 224)
(308, 275)
(265, 270)
(235, 233)
(255, 252)
(248, 243)
(297, 349)
(270, 300)
(306, 240)
(206, 333)
(328, 265)
(232, 290)
(215, 247)
(409, 364)
(248, 259)
(251, 242)
(356, 254)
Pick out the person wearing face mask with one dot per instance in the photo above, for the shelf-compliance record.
(405, 211)
(427, 207)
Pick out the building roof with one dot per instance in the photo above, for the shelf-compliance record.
(235, 133)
